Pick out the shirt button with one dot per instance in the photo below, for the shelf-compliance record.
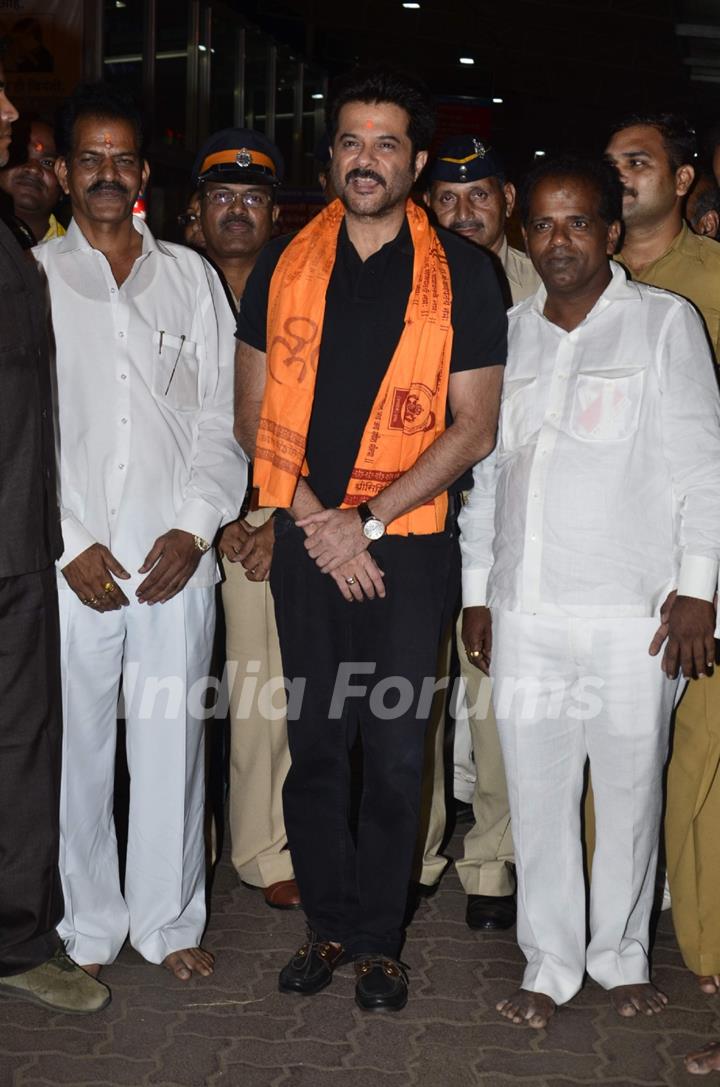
(123, 376)
(121, 465)
(113, 290)
(533, 536)
(113, 511)
(121, 335)
(123, 420)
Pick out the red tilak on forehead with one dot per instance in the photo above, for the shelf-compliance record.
(369, 124)
(39, 147)
(108, 139)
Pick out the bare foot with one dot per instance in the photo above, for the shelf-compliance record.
(191, 960)
(629, 1000)
(709, 983)
(704, 1060)
(92, 968)
(524, 1006)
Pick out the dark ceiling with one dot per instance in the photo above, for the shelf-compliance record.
(565, 69)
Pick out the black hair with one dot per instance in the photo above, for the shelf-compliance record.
(596, 172)
(96, 100)
(387, 85)
(677, 133)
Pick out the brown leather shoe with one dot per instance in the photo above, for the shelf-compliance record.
(283, 895)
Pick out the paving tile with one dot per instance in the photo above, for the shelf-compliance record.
(236, 1030)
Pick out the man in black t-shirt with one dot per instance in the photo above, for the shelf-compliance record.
(360, 590)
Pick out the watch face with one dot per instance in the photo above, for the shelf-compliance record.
(373, 528)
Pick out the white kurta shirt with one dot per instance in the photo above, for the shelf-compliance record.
(145, 399)
(603, 493)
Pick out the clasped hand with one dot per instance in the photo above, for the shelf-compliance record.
(252, 547)
(336, 542)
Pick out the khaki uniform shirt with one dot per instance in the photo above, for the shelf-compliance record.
(521, 275)
(691, 268)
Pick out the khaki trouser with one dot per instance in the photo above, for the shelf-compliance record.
(692, 825)
(259, 756)
(488, 846)
(428, 860)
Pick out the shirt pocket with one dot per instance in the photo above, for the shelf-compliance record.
(520, 412)
(175, 372)
(606, 404)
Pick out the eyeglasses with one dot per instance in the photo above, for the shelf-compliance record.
(225, 198)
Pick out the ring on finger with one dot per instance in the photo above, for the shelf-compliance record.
(350, 580)
(473, 653)
(109, 587)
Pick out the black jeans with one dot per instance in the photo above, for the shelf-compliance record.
(31, 901)
(356, 893)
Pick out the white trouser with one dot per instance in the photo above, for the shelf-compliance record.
(583, 688)
(161, 654)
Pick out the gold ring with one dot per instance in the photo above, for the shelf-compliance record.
(473, 653)
(93, 600)
(109, 586)
(349, 580)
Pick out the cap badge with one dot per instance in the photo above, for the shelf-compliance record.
(480, 148)
(243, 157)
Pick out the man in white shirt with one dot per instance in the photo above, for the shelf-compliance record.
(149, 471)
(603, 497)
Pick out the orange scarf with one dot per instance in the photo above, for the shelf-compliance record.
(409, 411)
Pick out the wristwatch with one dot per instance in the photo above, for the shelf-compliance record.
(373, 528)
(200, 544)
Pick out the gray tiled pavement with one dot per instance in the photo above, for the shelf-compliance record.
(236, 1030)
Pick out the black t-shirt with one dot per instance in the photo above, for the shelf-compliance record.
(364, 315)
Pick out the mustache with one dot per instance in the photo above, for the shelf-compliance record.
(627, 191)
(466, 224)
(364, 175)
(108, 186)
(229, 219)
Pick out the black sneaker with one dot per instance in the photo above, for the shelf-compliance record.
(311, 968)
(382, 984)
